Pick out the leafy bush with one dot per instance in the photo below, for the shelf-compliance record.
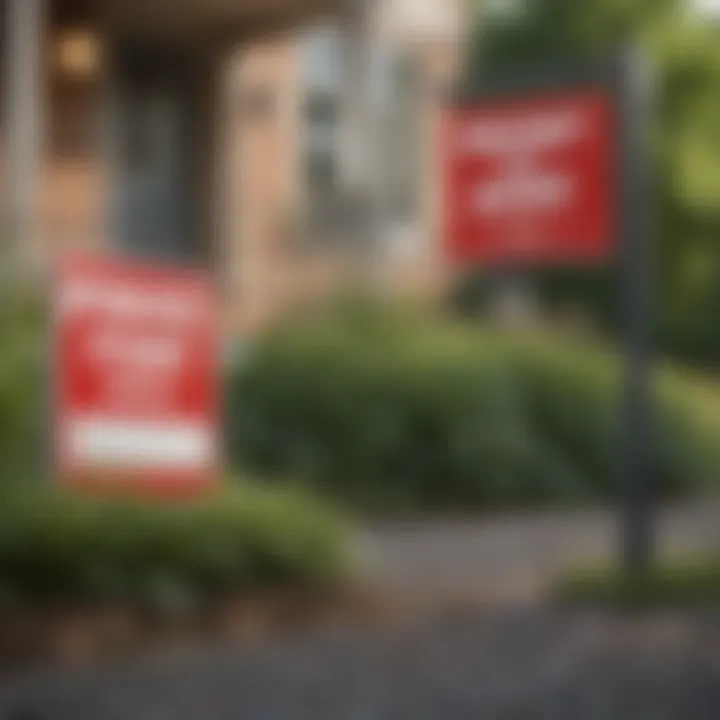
(23, 397)
(57, 546)
(420, 414)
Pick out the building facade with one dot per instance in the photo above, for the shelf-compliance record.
(281, 143)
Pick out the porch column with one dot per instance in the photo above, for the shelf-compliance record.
(24, 108)
(357, 146)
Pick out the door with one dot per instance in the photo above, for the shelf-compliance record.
(156, 135)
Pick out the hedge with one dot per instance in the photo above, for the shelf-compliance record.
(420, 414)
(55, 546)
(24, 397)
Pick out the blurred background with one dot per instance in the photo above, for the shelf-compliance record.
(422, 459)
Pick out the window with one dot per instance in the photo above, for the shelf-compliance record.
(402, 137)
(320, 61)
(321, 80)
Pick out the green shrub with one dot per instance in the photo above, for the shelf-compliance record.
(421, 414)
(24, 397)
(57, 546)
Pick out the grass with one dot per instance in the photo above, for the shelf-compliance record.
(683, 582)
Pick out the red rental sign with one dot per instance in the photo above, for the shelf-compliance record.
(529, 180)
(136, 377)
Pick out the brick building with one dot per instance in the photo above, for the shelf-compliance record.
(282, 143)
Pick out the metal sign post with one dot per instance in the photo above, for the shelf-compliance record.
(635, 251)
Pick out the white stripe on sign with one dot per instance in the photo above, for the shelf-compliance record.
(142, 445)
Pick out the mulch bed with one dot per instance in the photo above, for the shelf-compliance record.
(80, 635)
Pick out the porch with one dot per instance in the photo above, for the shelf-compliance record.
(114, 127)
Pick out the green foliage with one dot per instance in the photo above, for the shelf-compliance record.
(553, 31)
(685, 55)
(169, 557)
(24, 401)
(594, 291)
(683, 583)
(419, 414)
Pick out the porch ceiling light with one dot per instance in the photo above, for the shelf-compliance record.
(78, 54)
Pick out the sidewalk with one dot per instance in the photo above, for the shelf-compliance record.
(516, 558)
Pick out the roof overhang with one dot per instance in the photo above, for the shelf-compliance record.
(194, 19)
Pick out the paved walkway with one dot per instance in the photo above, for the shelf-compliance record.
(528, 665)
(516, 557)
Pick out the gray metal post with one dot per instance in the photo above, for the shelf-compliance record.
(635, 254)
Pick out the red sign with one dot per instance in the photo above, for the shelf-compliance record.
(136, 377)
(529, 181)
